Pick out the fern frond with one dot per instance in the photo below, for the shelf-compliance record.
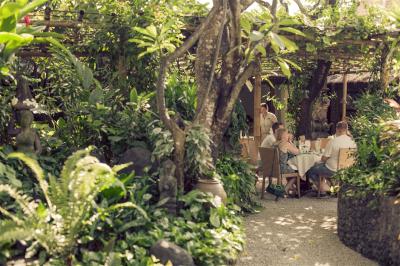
(10, 215)
(11, 231)
(128, 205)
(25, 202)
(37, 170)
(69, 167)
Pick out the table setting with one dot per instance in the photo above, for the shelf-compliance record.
(308, 157)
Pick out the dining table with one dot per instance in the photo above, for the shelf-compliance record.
(303, 162)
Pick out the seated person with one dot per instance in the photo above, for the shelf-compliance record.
(329, 164)
(270, 139)
(286, 149)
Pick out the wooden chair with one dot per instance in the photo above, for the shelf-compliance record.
(271, 169)
(249, 150)
(346, 159)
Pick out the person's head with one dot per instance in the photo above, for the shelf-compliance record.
(275, 126)
(26, 118)
(282, 134)
(263, 108)
(342, 128)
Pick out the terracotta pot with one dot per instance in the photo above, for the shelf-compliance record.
(213, 186)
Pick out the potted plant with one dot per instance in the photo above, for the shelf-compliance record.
(200, 164)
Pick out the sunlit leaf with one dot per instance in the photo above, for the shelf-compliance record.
(292, 30)
(249, 85)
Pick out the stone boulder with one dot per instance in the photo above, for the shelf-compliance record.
(166, 251)
(139, 157)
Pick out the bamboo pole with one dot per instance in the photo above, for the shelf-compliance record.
(257, 103)
(344, 98)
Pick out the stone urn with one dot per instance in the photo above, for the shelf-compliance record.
(212, 186)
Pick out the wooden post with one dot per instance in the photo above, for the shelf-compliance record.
(344, 97)
(257, 103)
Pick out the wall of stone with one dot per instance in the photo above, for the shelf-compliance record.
(370, 225)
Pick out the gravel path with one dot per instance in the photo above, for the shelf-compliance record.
(297, 232)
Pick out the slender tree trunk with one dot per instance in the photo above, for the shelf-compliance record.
(314, 88)
(385, 69)
(179, 157)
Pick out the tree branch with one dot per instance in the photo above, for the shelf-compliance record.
(264, 4)
(164, 64)
(301, 7)
(246, 3)
(285, 5)
(241, 80)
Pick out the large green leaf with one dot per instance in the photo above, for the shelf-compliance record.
(289, 22)
(21, 38)
(133, 96)
(293, 30)
(293, 64)
(214, 218)
(256, 36)
(289, 44)
(276, 40)
(285, 68)
(8, 24)
(9, 9)
(30, 7)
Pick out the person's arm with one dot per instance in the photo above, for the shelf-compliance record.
(292, 149)
(274, 119)
(328, 152)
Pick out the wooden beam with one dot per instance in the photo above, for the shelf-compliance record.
(35, 53)
(257, 103)
(58, 23)
(344, 98)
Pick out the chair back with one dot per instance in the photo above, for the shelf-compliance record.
(249, 150)
(270, 162)
(346, 158)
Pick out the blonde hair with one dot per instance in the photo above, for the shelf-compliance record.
(279, 133)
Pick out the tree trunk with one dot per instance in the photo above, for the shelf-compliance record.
(385, 69)
(314, 88)
(179, 157)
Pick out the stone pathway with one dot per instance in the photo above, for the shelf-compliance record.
(297, 232)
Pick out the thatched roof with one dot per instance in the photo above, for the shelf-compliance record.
(364, 77)
(351, 78)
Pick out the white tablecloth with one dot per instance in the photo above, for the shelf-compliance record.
(303, 162)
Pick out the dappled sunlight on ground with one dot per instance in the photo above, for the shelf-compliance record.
(297, 232)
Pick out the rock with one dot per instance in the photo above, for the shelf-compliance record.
(139, 157)
(166, 251)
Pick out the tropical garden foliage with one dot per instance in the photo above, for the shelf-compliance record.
(147, 77)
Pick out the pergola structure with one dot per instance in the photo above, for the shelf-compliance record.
(344, 60)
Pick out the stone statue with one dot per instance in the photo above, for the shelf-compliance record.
(168, 186)
(27, 140)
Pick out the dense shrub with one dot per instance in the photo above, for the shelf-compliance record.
(239, 180)
(89, 216)
(377, 135)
